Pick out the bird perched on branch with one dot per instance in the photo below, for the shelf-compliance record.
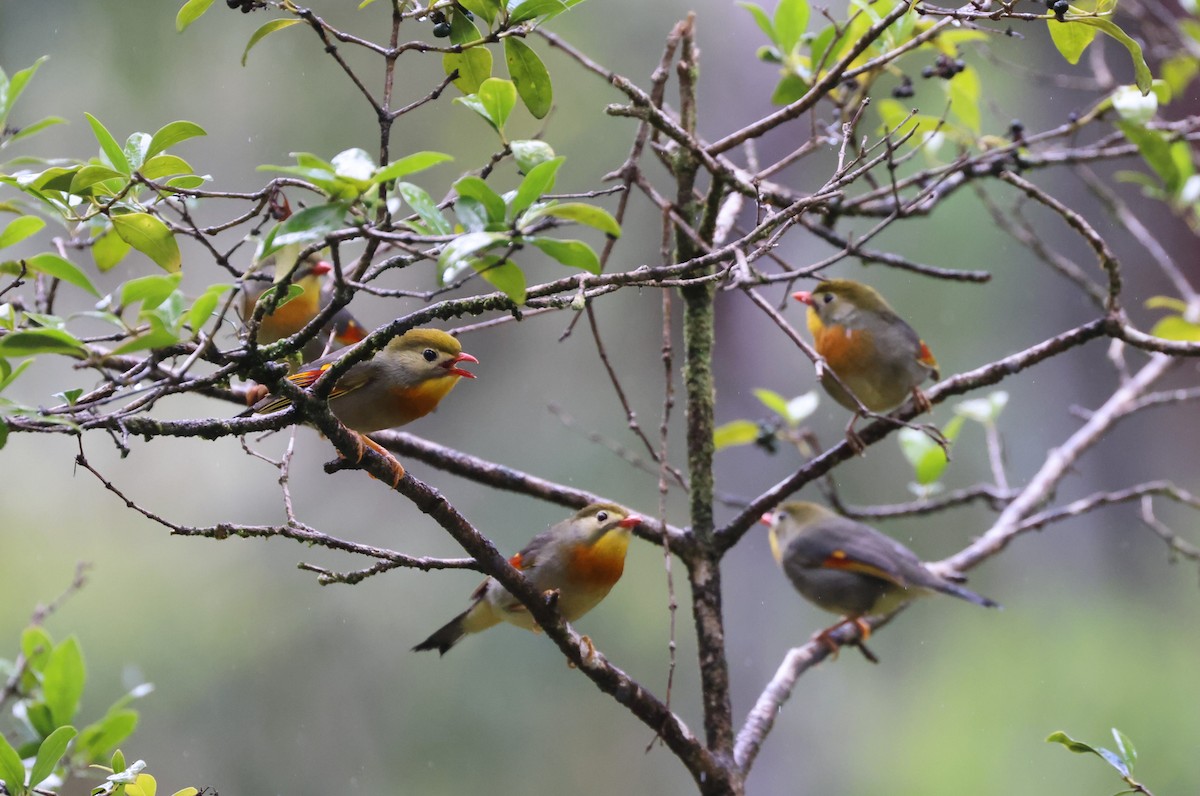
(292, 316)
(581, 557)
(849, 568)
(405, 380)
(876, 356)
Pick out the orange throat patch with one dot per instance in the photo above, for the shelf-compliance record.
(600, 565)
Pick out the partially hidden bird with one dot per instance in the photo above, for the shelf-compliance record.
(581, 557)
(405, 380)
(874, 353)
(849, 568)
(294, 315)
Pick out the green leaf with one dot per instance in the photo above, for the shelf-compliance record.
(1156, 151)
(135, 149)
(57, 267)
(464, 247)
(789, 89)
(12, 91)
(1167, 303)
(1070, 39)
(963, 93)
(307, 226)
(203, 307)
(150, 290)
(1078, 747)
(499, 97)
(580, 213)
(98, 738)
(4, 428)
(31, 342)
(69, 397)
(411, 164)
(426, 209)
(530, 152)
(266, 30)
(161, 166)
(36, 646)
(475, 188)
(356, 165)
(802, 406)
(571, 253)
(504, 276)
(63, 680)
(171, 134)
(736, 432)
(12, 770)
(1134, 106)
(486, 9)
(532, 9)
(927, 458)
(88, 176)
(538, 181)
(191, 11)
(530, 76)
(49, 753)
(108, 250)
(1125, 748)
(474, 64)
(109, 146)
(151, 237)
(473, 216)
(791, 21)
(764, 22)
(19, 229)
(1141, 71)
(293, 291)
(1173, 327)
(36, 127)
(773, 401)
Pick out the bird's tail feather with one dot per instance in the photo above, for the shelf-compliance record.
(954, 590)
(446, 636)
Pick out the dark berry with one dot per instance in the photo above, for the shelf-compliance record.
(441, 30)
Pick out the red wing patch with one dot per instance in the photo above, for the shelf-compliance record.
(306, 378)
(926, 356)
(517, 561)
(839, 559)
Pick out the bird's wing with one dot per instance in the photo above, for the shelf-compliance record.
(865, 551)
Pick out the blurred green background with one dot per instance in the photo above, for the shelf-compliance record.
(269, 683)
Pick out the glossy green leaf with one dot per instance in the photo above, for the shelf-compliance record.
(63, 680)
(789, 89)
(264, 31)
(983, 410)
(1141, 71)
(151, 237)
(539, 181)
(484, 9)
(108, 250)
(499, 97)
(190, 12)
(49, 753)
(927, 458)
(202, 308)
(149, 291)
(69, 397)
(464, 247)
(12, 770)
(410, 164)
(1155, 149)
(530, 77)
(571, 253)
(31, 342)
(83, 180)
(474, 64)
(580, 213)
(57, 267)
(171, 134)
(161, 166)
(790, 23)
(473, 216)
(504, 276)
(1125, 748)
(108, 145)
(1060, 737)
(532, 9)
(530, 152)
(733, 433)
(135, 149)
(355, 164)
(11, 89)
(294, 291)
(425, 208)
(475, 188)
(307, 226)
(19, 229)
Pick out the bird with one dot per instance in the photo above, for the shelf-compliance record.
(405, 380)
(581, 557)
(851, 569)
(874, 353)
(293, 316)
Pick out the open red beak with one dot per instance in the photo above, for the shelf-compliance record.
(804, 296)
(463, 357)
(632, 521)
(321, 267)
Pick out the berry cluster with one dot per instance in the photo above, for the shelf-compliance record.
(1059, 7)
(944, 67)
(246, 6)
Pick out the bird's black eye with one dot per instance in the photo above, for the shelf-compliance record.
(602, 517)
(826, 297)
(429, 354)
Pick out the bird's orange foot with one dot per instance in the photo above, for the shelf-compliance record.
(255, 393)
(397, 467)
(864, 632)
(921, 401)
(852, 439)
